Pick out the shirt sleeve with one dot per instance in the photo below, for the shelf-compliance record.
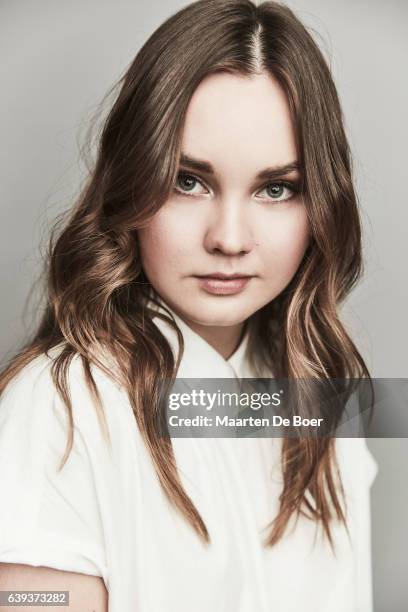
(368, 471)
(358, 470)
(47, 517)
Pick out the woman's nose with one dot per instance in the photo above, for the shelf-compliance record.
(229, 230)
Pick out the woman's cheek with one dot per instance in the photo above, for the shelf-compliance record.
(285, 244)
(166, 245)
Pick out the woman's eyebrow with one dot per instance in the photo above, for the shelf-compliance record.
(268, 173)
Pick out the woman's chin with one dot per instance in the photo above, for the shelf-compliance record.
(215, 315)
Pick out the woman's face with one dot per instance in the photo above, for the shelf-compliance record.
(234, 209)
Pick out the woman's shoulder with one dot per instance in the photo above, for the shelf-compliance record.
(356, 462)
(33, 393)
(31, 386)
(37, 422)
(37, 373)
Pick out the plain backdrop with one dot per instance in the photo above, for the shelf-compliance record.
(58, 60)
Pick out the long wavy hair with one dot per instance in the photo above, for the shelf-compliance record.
(97, 294)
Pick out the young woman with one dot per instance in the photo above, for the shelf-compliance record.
(216, 237)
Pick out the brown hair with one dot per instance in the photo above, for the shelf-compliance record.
(96, 288)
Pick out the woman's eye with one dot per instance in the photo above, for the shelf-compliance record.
(186, 184)
(279, 192)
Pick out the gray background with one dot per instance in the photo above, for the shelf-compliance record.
(58, 60)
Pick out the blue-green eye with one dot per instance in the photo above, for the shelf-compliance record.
(278, 191)
(186, 183)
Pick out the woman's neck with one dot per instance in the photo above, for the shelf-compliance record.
(224, 339)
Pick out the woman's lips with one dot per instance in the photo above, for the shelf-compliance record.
(223, 286)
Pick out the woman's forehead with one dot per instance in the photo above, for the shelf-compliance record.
(235, 121)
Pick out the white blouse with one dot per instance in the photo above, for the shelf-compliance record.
(108, 516)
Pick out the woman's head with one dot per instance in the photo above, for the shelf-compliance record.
(245, 88)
